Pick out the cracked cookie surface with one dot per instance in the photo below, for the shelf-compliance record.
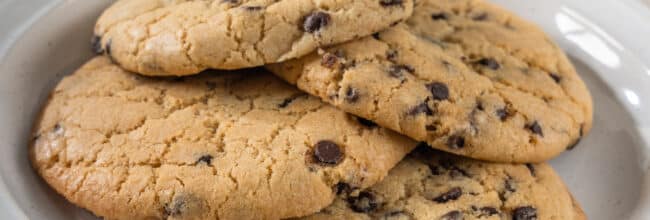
(213, 146)
(462, 75)
(436, 185)
(183, 37)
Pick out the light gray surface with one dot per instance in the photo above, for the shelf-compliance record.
(607, 172)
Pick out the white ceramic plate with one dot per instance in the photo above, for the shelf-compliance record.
(42, 40)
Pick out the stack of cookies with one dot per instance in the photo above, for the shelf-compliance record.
(328, 109)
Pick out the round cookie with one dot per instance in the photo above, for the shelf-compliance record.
(462, 75)
(213, 146)
(184, 37)
(440, 186)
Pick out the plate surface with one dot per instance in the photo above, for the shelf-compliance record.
(42, 40)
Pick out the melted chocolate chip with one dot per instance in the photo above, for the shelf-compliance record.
(439, 91)
(207, 159)
(456, 142)
(366, 122)
(421, 108)
(489, 63)
(315, 21)
(450, 195)
(328, 152)
(364, 203)
(531, 168)
(391, 55)
(376, 36)
(432, 127)
(536, 128)
(96, 43)
(488, 211)
(387, 3)
(343, 188)
(396, 71)
(453, 215)
(351, 95)
(524, 213)
(329, 60)
(439, 16)
(503, 113)
(556, 77)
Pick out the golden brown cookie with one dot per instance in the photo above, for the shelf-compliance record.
(462, 75)
(183, 37)
(214, 146)
(436, 185)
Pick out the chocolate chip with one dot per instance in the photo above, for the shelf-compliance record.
(489, 63)
(480, 17)
(343, 188)
(450, 195)
(315, 21)
(391, 55)
(479, 106)
(376, 36)
(531, 168)
(439, 16)
(431, 127)
(364, 203)
(421, 108)
(96, 43)
(503, 113)
(556, 77)
(524, 213)
(230, 1)
(329, 60)
(439, 91)
(396, 71)
(536, 128)
(252, 8)
(453, 215)
(328, 152)
(386, 3)
(488, 211)
(207, 159)
(366, 122)
(351, 95)
(456, 142)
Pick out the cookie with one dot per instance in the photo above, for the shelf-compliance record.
(441, 186)
(462, 75)
(214, 146)
(183, 37)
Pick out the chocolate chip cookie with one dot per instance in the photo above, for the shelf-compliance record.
(441, 186)
(462, 75)
(214, 146)
(183, 37)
